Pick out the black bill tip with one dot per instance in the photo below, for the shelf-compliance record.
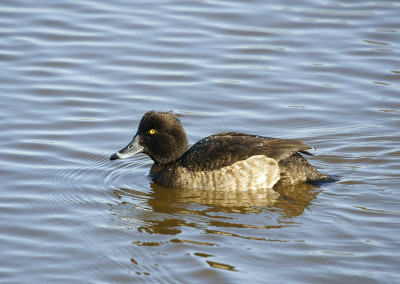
(114, 157)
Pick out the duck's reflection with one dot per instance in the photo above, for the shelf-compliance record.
(221, 200)
(169, 222)
(164, 210)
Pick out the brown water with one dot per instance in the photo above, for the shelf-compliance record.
(75, 79)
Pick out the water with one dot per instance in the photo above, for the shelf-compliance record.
(75, 79)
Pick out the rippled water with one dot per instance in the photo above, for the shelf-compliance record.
(75, 79)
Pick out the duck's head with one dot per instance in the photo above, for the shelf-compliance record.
(160, 135)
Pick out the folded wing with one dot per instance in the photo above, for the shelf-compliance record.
(224, 149)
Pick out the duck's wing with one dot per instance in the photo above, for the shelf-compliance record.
(224, 149)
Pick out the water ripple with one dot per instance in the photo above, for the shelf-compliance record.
(78, 75)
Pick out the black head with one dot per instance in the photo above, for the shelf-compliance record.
(160, 135)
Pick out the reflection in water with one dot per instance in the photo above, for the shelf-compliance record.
(157, 212)
(218, 265)
(227, 201)
(169, 220)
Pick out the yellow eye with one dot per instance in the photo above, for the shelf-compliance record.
(152, 131)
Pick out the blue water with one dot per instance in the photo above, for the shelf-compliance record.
(75, 79)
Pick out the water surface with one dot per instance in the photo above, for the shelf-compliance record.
(75, 79)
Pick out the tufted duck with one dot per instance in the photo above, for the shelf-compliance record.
(224, 161)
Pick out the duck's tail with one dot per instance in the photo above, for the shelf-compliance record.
(296, 169)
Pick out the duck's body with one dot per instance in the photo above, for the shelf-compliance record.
(224, 161)
(221, 161)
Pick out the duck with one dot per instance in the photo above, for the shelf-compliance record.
(222, 161)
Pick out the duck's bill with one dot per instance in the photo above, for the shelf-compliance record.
(131, 149)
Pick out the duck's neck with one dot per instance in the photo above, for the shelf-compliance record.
(162, 172)
(172, 152)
